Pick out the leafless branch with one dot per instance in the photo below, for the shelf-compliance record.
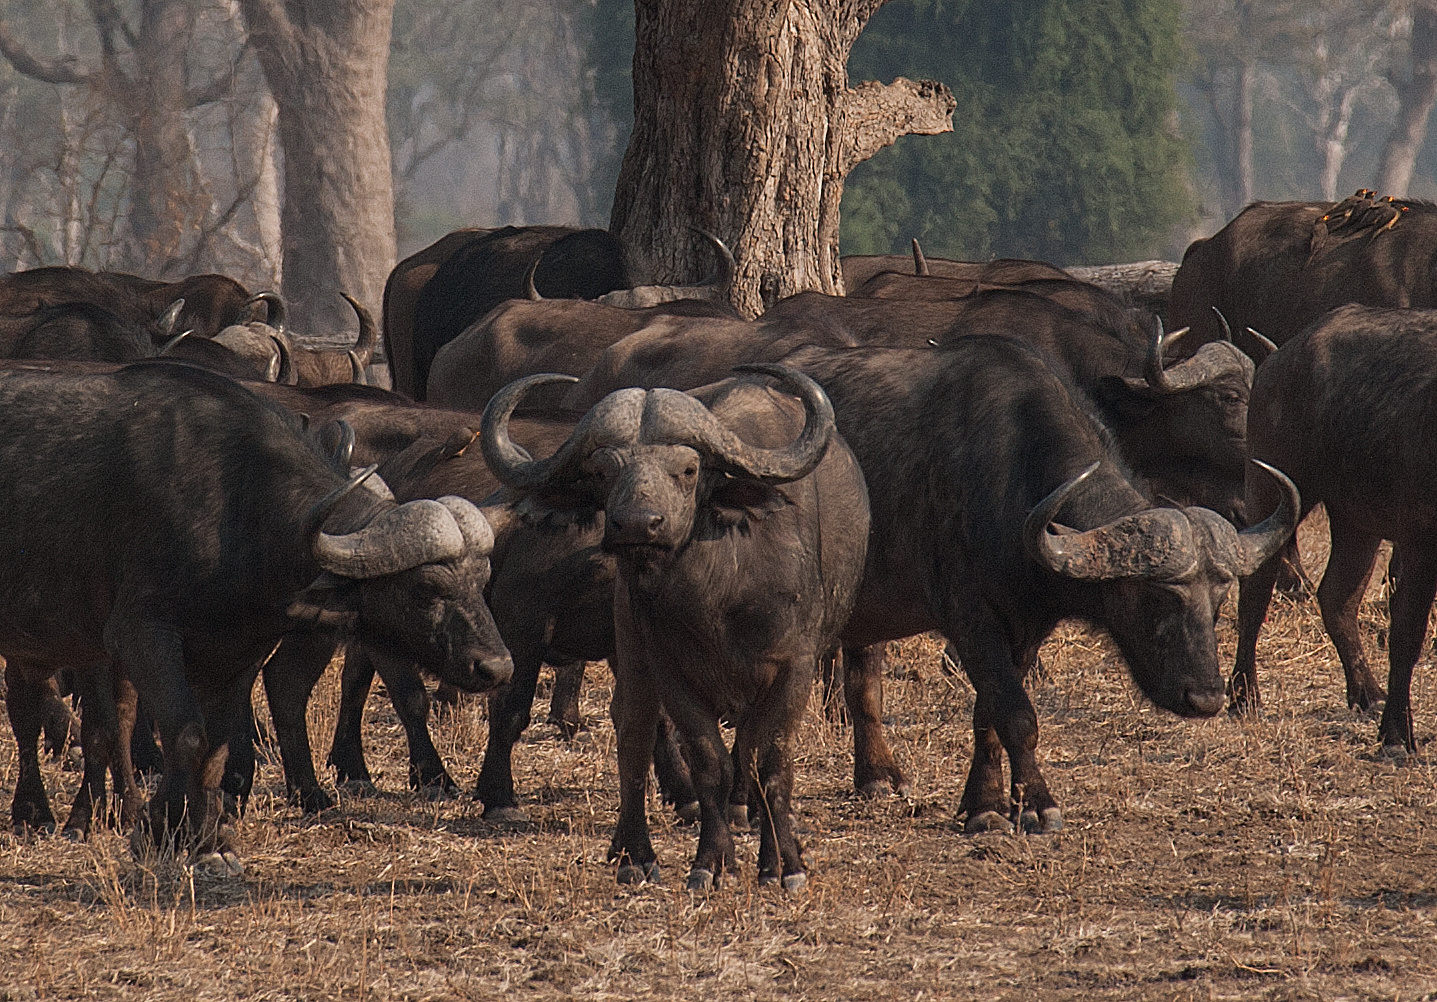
(32, 244)
(61, 71)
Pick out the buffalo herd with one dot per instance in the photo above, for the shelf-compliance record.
(575, 466)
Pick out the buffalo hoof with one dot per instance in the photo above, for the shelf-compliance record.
(506, 815)
(895, 783)
(737, 817)
(312, 801)
(1395, 752)
(1044, 822)
(219, 864)
(439, 788)
(795, 883)
(987, 821)
(73, 760)
(568, 729)
(700, 880)
(689, 813)
(73, 834)
(24, 829)
(630, 873)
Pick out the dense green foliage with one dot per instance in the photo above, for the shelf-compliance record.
(1065, 144)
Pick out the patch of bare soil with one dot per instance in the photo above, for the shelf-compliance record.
(1272, 858)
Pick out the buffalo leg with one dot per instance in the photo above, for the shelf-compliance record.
(346, 751)
(874, 766)
(1411, 603)
(635, 712)
(1254, 597)
(564, 703)
(411, 703)
(24, 701)
(1002, 710)
(62, 729)
(1292, 579)
(509, 712)
(1340, 596)
(676, 783)
(712, 770)
(122, 769)
(289, 678)
(145, 753)
(99, 736)
(780, 856)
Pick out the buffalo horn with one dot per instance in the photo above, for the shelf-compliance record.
(531, 292)
(316, 515)
(169, 345)
(1156, 543)
(510, 462)
(368, 338)
(1212, 361)
(271, 371)
(1222, 322)
(338, 439)
(1259, 542)
(274, 311)
(356, 369)
(791, 462)
(473, 526)
(415, 533)
(171, 316)
(286, 374)
(1267, 343)
(920, 263)
(727, 266)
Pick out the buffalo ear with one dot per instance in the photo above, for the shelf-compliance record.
(330, 600)
(735, 499)
(1115, 393)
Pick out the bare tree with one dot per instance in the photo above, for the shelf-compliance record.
(745, 125)
(326, 66)
(1416, 95)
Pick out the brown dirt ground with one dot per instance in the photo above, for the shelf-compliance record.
(1271, 858)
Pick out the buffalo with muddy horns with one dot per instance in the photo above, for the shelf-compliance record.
(739, 522)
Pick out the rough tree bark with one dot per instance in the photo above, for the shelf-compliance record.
(1416, 97)
(326, 65)
(744, 124)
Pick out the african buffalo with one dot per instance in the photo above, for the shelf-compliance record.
(733, 581)
(521, 337)
(482, 273)
(401, 292)
(163, 525)
(210, 301)
(1345, 407)
(1279, 266)
(77, 332)
(861, 269)
(972, 453)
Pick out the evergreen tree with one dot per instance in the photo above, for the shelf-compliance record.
(1064, 146)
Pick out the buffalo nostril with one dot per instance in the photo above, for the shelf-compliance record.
(653, 522)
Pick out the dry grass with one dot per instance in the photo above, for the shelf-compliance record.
(1277, 858)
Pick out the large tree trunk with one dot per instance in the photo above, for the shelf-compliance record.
(744, 124)
(326, 65)
(1243, 114)
(1416, 97)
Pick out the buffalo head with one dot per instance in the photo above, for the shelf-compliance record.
(659, 464)
(1164, 574)
(410, 584)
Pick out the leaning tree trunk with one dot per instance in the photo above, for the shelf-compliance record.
(1416, 96)
(744, 124)
(326, 65)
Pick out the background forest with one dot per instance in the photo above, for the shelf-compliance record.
(1086, 131)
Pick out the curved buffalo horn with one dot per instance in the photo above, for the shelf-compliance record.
(356, 369)
(338, 439)
(1156, 543)
(286, 373)
(531, 292)
(920, 263)
(415, 533)
(274, 310)
(510, 462)
(169, 345)
(791, 462)
(271, 371)
(727, 266)
(1259, 542)
(1267, 345)
(1200, 370)
(368, 338)
(1222, 322)
(478, 534)
(314, 518)
(171, 316)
